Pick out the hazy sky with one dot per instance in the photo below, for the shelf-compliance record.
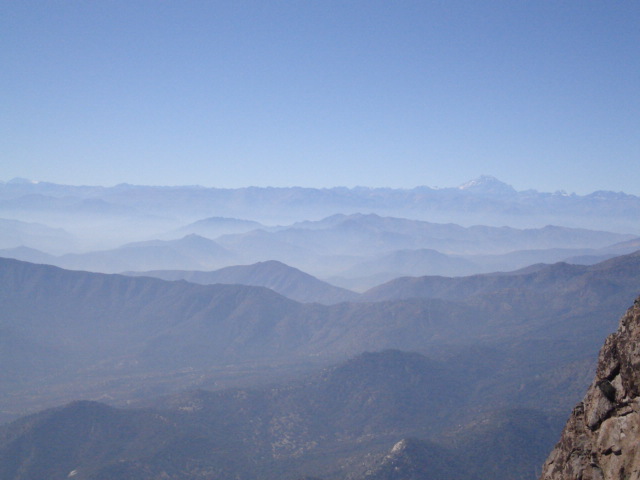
(542, 94)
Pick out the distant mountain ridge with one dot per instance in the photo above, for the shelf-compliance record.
(351, 246)
(213, 227)
(549, 278)
(190, 252)
(287, 281)
(486, 197)
(15, 233)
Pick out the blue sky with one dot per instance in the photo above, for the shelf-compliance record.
(541, 94)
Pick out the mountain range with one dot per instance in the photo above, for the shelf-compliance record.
(126, 213)
(18, 234)
(287, 281)
(353, 251)
(188, 333)
(214, 227)
(70, 334)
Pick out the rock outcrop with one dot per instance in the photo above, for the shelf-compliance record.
(412, 459)
(601, 440)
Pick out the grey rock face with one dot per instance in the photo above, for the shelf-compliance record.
(601, 440)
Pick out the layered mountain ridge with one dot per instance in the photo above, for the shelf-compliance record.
(68, 334)
(240, 363)
(365, 249)
(287, 281)
(140, 210)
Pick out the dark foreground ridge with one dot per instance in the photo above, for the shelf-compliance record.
(378, 416)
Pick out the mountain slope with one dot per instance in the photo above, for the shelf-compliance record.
(190, 252)
(359, 245)
(213, 227)
(143, 333)
(506, 444)
(373, 234)
(287, 281)
(333, 424)
(14, 233)
(412, 262)
(412, 459)
(263, 433)
(560, 277)
(84, 328)
(83, 440)
(27, 254)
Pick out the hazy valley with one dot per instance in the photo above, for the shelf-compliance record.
(190, 333)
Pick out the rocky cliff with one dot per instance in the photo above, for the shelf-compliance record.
(601, 440)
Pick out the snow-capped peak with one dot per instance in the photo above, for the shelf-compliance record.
(487, 184)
